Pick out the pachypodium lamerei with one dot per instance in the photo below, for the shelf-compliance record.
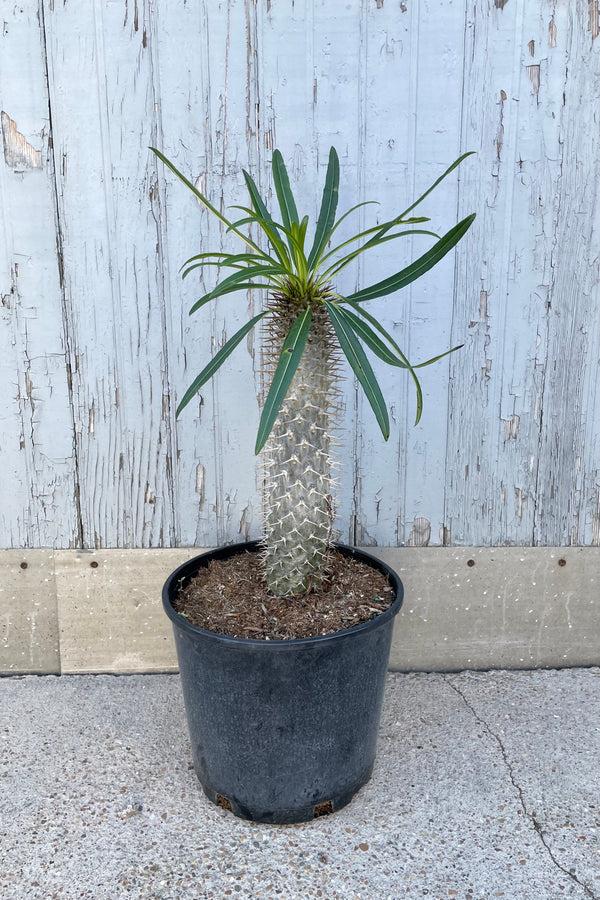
(309, 328)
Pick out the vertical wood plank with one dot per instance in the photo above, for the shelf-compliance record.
(408, 139)
(568, 478)
(37, 487)
(523, 412)
(481, 453)
(385, 84)
(313, 104)
(102, 128)
(207, 106)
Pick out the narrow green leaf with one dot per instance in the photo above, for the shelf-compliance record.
(328, 209)
(451, 168)
(337, 225)
(418, 267)
(366, 334)
(302, 230)
(217, 361)
(294, 235)
(291, 353)
(241, 286)
(414, 220)
(297, 236)
(268, 225)
(260, 216)
(362, 312)
(206, 202)
(223, 259)
(200, 265)
(344, 261)
(361, 366)
(255, 219)
(287, 204)
(257, 200)
(434, 359)
(379, 348)
(191, 186)
(227, 261)
(238, 281)
(361, 234)
(252, 219)
(401, 220)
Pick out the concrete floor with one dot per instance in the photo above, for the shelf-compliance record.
(486, 785)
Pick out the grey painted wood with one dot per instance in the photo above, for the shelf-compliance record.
(114, 310)
(523, 460)
(95, 342)
(37, 460)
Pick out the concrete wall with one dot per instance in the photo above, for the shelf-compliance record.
(100, 611)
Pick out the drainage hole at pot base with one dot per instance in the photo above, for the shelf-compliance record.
(224, 803)
(323, 809)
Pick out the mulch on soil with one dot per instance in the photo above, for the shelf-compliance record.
(230, 597)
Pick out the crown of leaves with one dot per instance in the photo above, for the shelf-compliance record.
(306, 279)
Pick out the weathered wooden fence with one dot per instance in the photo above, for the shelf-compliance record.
(95, 342)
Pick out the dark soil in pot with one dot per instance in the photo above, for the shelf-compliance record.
(228, 596)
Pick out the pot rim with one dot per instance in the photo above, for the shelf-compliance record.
(192, 566)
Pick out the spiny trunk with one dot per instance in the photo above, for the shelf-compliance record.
(298, 506)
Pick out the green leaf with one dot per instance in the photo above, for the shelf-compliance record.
(379, 348)
(401, 220)
(361, 367)
(451, 168)
(221, 261)
(366, 334)
(257, 201)
(206, 202)
(291, 353)
(243, 286)
(287, 204)
(339, 222)
(264, 220)
(344, 261)
(238, 281)
(328, 209)
(434, 359)
(217, 361)
(361, 234)
(414, 220)
(362, 312)
(418, 267)
(295, 237)
(302, 230)
(268, 225)
(189, 184)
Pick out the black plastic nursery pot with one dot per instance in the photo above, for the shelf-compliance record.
(282, 731)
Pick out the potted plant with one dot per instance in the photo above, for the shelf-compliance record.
(282, 648)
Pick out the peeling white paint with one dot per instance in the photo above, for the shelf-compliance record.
(534, 76)
(18, 152)
(421, 532)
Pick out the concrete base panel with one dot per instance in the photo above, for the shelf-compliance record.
(465, 608)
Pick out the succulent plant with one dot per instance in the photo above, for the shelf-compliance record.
(309, 328)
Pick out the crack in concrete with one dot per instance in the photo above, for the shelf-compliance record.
(531, 816)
